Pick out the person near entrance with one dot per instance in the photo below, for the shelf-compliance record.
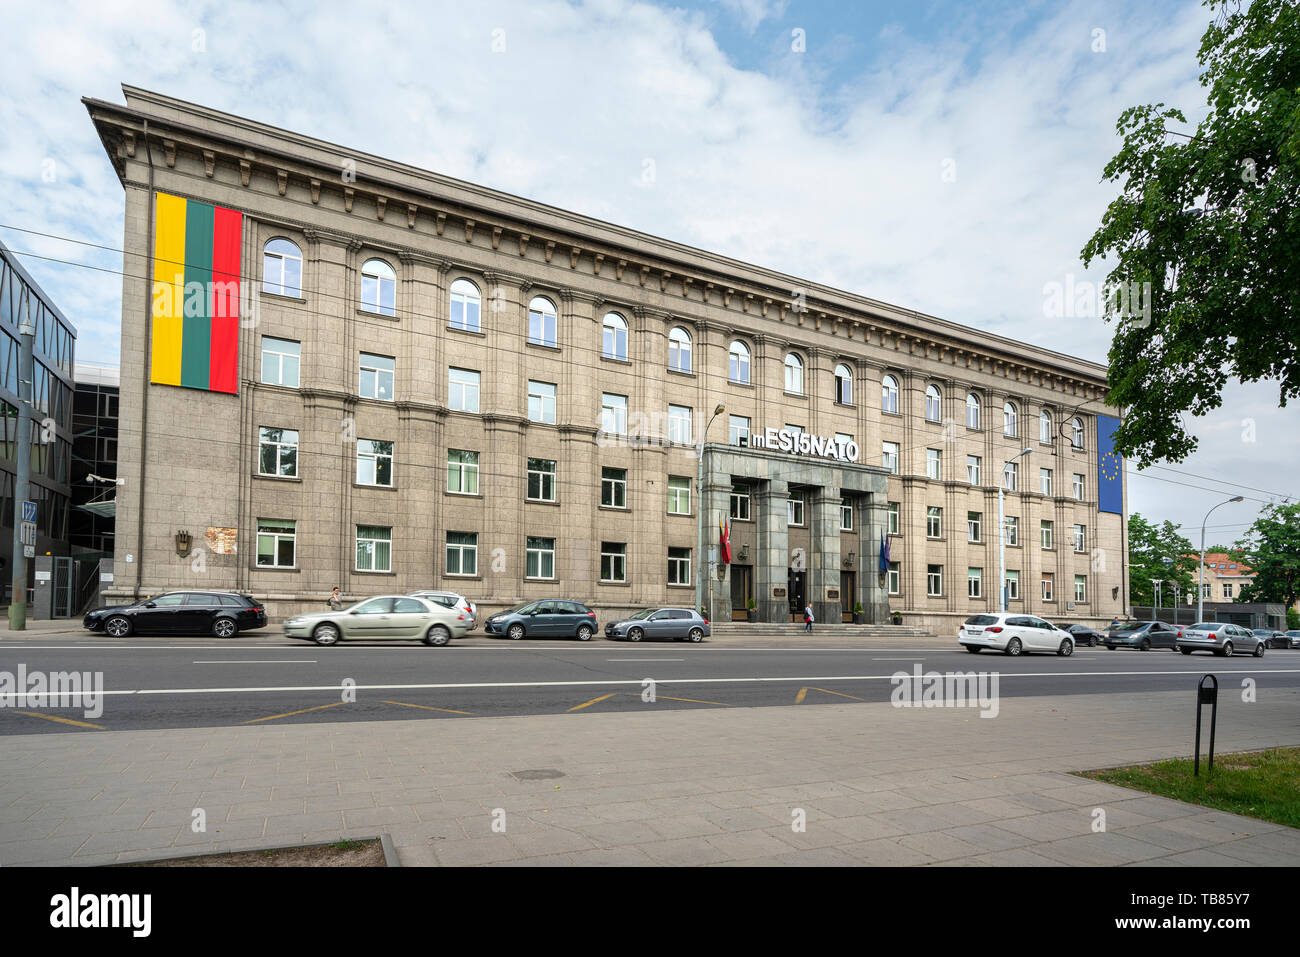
(808, 619)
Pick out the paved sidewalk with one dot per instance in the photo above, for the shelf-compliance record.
(879, 785)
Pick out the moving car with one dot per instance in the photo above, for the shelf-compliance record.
(547, 618)
(1013, 634)
(1293, 639)
(1220, 638)
(450, 599)
(220, 613)
(383, 618)
(1143, 635)
(1272, 638)
(1083, 635)
(679, 624)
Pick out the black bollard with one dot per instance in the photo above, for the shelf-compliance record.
(1205, 696)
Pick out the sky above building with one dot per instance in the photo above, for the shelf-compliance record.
(945, 156)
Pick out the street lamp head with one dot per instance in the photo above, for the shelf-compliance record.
(720, 409)
(1239, 498)
(1026, 451)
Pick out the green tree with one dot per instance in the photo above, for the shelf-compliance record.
(1158, 551)
(1212, 222)
(1272, 550)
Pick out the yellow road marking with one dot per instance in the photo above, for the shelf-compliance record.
(428, 707)
(840, 693)
(803, 693)
(593, 701)
(693, 700)
(289, 714)
(52, 717)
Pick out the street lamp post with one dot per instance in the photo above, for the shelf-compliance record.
(699, 510)
(1002, 531)
(1200, 584)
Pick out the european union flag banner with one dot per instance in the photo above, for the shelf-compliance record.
(1110, 467)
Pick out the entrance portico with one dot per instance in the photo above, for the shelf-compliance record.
(776, 555)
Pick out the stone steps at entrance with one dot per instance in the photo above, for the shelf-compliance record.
(741, 629)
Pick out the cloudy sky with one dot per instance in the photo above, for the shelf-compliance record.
(944, 155)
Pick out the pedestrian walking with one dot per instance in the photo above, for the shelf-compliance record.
(336, 600)
(808, 619)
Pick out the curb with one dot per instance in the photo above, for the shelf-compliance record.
(385, 842)
(390, 851)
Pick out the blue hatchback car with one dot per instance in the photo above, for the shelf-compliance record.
(546, 618)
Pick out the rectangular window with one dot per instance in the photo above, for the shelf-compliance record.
(1080, 587)
(1010, 476)
(738, 431)
(934, 580)
(1045, 481)
(892, 513)
(374, 462)
(280, 361)
(539, 558)
(1013, 585)
(679, 424)
(794, 509)
(613, 414)
(1227, 589)
(974, 583)
(462, 472)
(679, 566)
(934, 463)
(376, 377)
(613, 488)
(679, 495)
(1045, 530)
(462, 390)
(613, 562)
(1049, 585)
(276, 542)
(541, 480)
(1078, 486)
(934, 522)
(889, 457)
(374, 548)
(974, 526)
(541, 402)
(846, 515)
(1013, 530)
(974, 466)
(740, 502)
(277, 452)
(895, 578)
(462, 553)
(1080, 538)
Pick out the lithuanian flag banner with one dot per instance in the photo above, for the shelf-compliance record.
(196, 295)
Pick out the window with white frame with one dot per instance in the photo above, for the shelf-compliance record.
(378, 287)
(843, 384)
(974, 526)
(974, 468)
(933, 404)
(1080, 538)
(374, 462)
(933, 522)
(1009, 419)
(282, 268)
(793, 374)
(1081, 588)
(738, 362)
(934, 580)
(1045, 481)
(280, 361)
(972, 411)
(613, 414)
(679, 424)
(1076, 433)
(738, 430)
(375, 377)
(613, 343)
(1012, 526)
(974, 583)
(1011, 476)
(462, 553)
(846, 514)
(374, 548)
(794, 509)
(613, 488)
(1046, 533)
(889, 394)
(541, 480)
(539, 557)
(466, 305)
(613, 561)
(1012, 583)
(462, 472)
(541, 402)
(1049, 586)
(1078, 487)
(277, 541)
(679, 566)
(679, 495)
(934, 463)
(1045, 426)
(738, 505)
(1227, 589)
(679, 350)
(843, 438)
(889, 457)
(892, 518)
(541, 322)
(894, 578)
(277, 452)
(462, 390)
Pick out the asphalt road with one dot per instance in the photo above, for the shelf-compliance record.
(268, 680)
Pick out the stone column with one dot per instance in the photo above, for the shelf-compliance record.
(714, 503)
(772, 563)
(873, 518)
(824, 569)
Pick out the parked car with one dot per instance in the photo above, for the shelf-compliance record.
(1013, 634)
(1082, 634)
(223, 614)
(679, 624)
(1143, 635)
(1220, 638)
(547, 618)
(450, 599)
(383, 618)
(1272, 638)
(1293, 639)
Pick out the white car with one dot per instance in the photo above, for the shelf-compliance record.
(383, 618)
(1013, 634)
(450, 599)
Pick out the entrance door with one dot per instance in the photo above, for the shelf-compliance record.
(798, 596)
(64, 582)
(742, 589)
(848, 591)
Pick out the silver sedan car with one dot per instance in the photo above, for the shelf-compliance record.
(679, 624)
(1220, 638)
(385, 618)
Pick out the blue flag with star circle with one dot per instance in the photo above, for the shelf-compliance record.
(1110, 467)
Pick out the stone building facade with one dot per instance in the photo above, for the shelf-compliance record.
(441, 385)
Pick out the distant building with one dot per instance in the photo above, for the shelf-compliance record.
(1224, 579)
(94, 460)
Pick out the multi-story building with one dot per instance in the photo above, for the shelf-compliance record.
(94, 459)
(434, 384)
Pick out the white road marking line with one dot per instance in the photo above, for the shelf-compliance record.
(645, 659)
(257, 661)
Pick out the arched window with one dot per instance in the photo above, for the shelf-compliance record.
(972, 411)
(793, 374)
(1009, 424)
(843, 384)
(1076, 433)
(541, 322)
(282, 268)
(614, 337)
(738, 370)
(889, 394)
(1045, 426)
(679, 350)
(933, 404)
(465, 305)
(378, 288)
